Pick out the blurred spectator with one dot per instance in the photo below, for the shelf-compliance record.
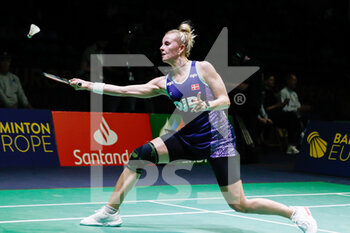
(263, 121)
(283, 108)
(302, 111)
(98, 47)
(294, 106)
(109, 74)
(263, 117)
(11, 92)
(289, 93)
(272, 104)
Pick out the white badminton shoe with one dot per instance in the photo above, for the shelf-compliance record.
(303, 219)
(102, 218)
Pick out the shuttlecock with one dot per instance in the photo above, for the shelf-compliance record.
(317, 145)
(33, 30)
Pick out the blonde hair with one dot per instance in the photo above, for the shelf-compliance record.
(185, 35)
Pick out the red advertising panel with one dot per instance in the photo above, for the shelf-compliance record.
(85, 139)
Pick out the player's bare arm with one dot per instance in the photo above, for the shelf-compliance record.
(153, 88)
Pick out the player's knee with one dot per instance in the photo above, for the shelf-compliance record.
(239, 208)
(242, 206)
(142, 156)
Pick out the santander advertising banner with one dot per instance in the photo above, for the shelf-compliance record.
(107, 139)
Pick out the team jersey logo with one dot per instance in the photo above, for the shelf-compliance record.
(195, 87)
(185, 104)
(193, 75)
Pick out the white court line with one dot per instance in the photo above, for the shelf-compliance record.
(58, 204)
(325, 206)
(342, 194)
(234, 215)
(103, 203)
(301, 194)
(199, 211)
(40, 220)
(123, 216)
(180, 199)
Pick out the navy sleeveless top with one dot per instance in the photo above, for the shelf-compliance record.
(207, 132)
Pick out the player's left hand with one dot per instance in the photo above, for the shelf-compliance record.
(198, 104)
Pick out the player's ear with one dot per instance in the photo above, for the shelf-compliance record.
(181, 49)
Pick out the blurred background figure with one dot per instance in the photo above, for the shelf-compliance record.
(98, 47)
(291, 115)
(113, 75)
(264, 121)
(11, 91)
(289, 93)
(273, 106)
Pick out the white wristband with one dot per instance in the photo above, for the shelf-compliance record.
(98, 88)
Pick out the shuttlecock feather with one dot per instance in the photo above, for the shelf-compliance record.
(33, 30)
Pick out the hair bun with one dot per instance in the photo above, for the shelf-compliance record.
(185, 27)
(188, 38)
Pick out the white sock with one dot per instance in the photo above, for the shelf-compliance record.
(110, 209)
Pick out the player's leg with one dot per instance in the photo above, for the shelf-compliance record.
(234, 196)
(129, 177)
(228, 176)
(301, 216)
(109, 214)
(227, 171)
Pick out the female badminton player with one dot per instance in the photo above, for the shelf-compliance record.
(200, 95)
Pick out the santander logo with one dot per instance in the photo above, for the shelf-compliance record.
(105, 136)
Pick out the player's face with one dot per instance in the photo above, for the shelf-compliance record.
(170, 47)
